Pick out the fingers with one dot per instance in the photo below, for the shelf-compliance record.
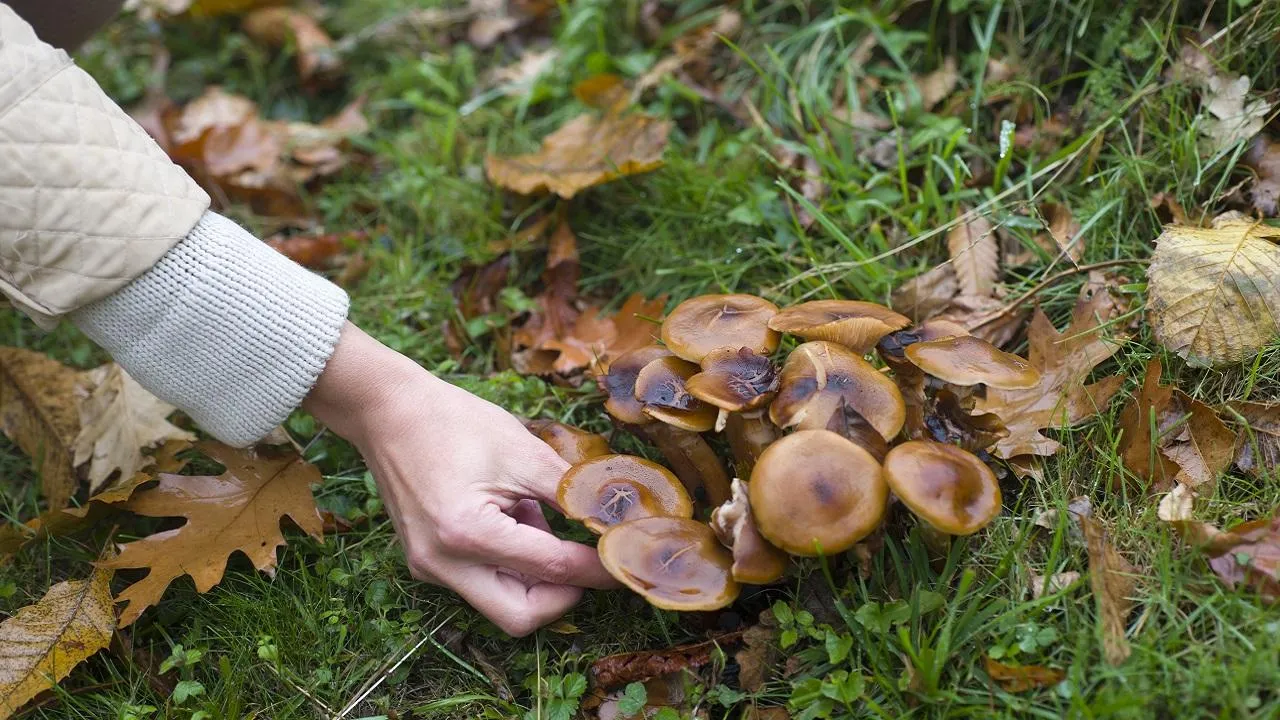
(516, 608)
(529, 512)
(539, 472)
(533, 551)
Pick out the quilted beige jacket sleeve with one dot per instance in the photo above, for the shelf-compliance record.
(88, 201)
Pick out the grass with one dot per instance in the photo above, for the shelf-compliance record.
(339, 614)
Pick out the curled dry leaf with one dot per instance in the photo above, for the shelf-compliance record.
(1021, 678)
(277, 27)
(1234, 116)
(39, 412)
(1215, 292)
(1246, 556)
(615, 671)
(1258, 447)
(1111, 577)
(1041, 585)
(975, 254)
(41, 643)
(1064, 360)
(240, 509)
(585, 152)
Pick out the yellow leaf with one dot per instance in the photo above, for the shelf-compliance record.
(41, 643)
(1215, 292)
(585, 152)
(38, 412)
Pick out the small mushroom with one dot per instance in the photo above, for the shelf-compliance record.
(571, 443)
(619, 383)
(892, 347)
(950, 489)
(749, 433)
(710, 322)
(755, 561)
(819, 378)
(660, 388)
(674, 563)
(854, 324)
(740, 383)
(815, 492)
(966, 360)
(611, 489)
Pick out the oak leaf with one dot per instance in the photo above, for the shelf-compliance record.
(41, 643)
(1215, 292)
(1258, 449)
(584, 152)
(1020, 678)
(975, 254)
(1064, 360)
(239, 510)
(39, 412)
(1248, 555)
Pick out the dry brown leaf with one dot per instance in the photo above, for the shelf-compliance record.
(1264, 157)
(604, 91)
(692, 51)
(1247, 555)
(926, 294)
(118, 420)
(1235, 117)
(1064, 231)
(937, 85)
(1168, 203)
(1042, 585)
(1021, 678)
(1064, 360)
(1215, 292)
(517, 79)
(493, 19)
(239, 510)
(757, 658)
(616, 671)
(39, 412)
(318, 251)
(1258, 449)
(318, 60)
(1111, 577)
(975, 254)
(585, 152)
(986, 317)
(41, 643)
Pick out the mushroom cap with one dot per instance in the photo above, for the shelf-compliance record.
(620, 384)
(571, 443)
(854, 324)
(675, 563)
(967, 360)
(755, 561)
(819, 378)
(947, 487)
(660, 388)
(734, 379)
(612, 489)
(892, 346)
(814, 491)
(710, 322)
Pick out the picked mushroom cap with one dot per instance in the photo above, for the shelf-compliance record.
(735, 379)
(967, 360)
(815, 492)
(947, 487)
(571, 443)
(675, 563)
(620, 384)
(819, 378)
(612, 489)
(755, 561)
(661, 389)
(710, 322)
(854, 324)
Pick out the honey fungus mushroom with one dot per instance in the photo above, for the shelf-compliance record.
(814, 492)
(950, 489)
(820, 378)
(674, 563)
(619, 384)
(755, 561)
(571, 443)
(892, 347)
(854, 324)
(660, 388)
(611, 489)
(966, 360)
(740, 383)
(710, 322)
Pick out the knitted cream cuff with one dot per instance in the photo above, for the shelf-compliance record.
(225, 328)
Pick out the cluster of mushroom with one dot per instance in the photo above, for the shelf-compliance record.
(824, 443)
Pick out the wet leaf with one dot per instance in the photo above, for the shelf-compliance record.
(277, 27)
(41, 643)
(118, 420)
(1065, 359)
(239, 510)
(1111, 577)
(616, 671)
(1264, 158)
(975, 254)
(1258, 449)
(1215, 292)
(317, 250)
(585, 152)
(1021, 678)
(40, 413)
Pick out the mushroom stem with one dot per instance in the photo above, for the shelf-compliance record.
(692, 460)
(721, 418)
(938, 542)
(749, 434)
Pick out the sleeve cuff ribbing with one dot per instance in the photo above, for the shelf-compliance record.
(225, 328)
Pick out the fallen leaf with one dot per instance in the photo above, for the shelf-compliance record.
(1215, 292)
(985, 316)
(1235, 118)
(202, 8)
(604, 91)
(926, 294)
(1258, 449)
(937, 85)
(40, 413)
(41, 643)
(975, 254)
(1042, 585)
(1111, 577)
(317, 250)
(277, 27)
(1064, 231)
(1264, 158)
(1251, 557)
(518, 78)
(615, 671)
(766, 713)
(1168, 203)
(240, 509)
(585, 152)
(947, 421)
(1021, 678)
(757, 658)
(118, 420)
(1064, 360)
(692, 51)
(493, 19)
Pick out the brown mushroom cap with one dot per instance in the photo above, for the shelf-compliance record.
(675, 563)
(819, 378)
(620, 384)
(854, 324)
(755, 561)
(967, 360)
(947, 487)
(814, 491)
(710, 322)
(571, 443)
(611, 489)
(892, 346)
(734, 379)
(660, 388)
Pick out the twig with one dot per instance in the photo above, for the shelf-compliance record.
(318, 704)
(386, 672)
(1022, 299)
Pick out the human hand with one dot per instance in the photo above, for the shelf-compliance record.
(461, 479)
